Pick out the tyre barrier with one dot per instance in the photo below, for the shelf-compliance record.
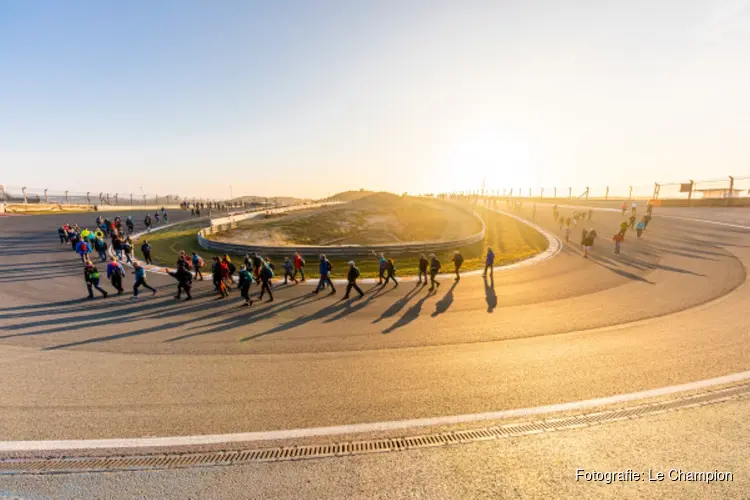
(334, 250)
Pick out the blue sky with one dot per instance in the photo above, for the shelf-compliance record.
(307, 98)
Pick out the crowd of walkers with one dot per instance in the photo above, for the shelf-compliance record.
(588, 236)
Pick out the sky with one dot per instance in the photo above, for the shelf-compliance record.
(306, 99)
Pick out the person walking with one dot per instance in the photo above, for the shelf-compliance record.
(584, 235)
(91, 275)
(82, 249)
(197, 265)
(228, 270)
(458, 259)
(246, 280)
(217, 271)
(266, 274)
(640, 227)
(115, 273)
(587, 243)
(351, 278)
(325, 269)
(489, 263)
(434, 268)
(140, 280)
(632, 221)
(127, 248)
(382, 265)
(592, 236)
(299, 266)
(288, 271)
(130, 224)
(101, 248)
(184, 281)
(147, 222)
(62, 234)
(390, 273)
(117, 245)
(257, 263)
(618, 239)
(624, 207)
(423, 265)
(590, 213)
(146, 251)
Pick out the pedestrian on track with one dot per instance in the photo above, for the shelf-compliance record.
(82, 249)
(147, 222)
(146, 251)
(325, 270)
(489, 263)
(115, 274)
(130, 224)
(140, 280)
(217, 275)
(62, 234)
(423, 265)
(584, 235)
(227, 269)
(127, 248)
(299, 266)
(632, 221)
(434, 269)
(197, 265)
(640, 227)
(257, 263)
(587, 243)
(266, 274)
(91, 275)
(117, 245)
(382, 265)
(288, 271)
(184, 281)
(618, 239)
(101, 248)
(351, 278)
(390, 273)
(458, 260)
(246, 280)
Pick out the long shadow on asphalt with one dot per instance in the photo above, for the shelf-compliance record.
(302, 320)
(360, 304)
(410, 315)
(444, 304)
(399, 304)
(625, 274)
(489, 294)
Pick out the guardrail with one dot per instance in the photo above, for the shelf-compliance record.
(334, 250)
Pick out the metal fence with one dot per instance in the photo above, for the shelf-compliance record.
(730, 187)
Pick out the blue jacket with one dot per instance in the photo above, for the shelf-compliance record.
(140, 273)
(111, 269)
(490, 257)
(323, 267)
(82, 248)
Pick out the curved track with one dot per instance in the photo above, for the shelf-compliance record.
(667, 311)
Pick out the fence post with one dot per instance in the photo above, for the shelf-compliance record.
(731, 190)
(541, 194)
(157, 200)
(690, 193)
(46, 197)
(529, 192)
(101, 198)
(606, 194)
(570, 193)
(88, 197)
(144, 200)
(67, 199)
(23, 190)
(108, 201)
(116, 202)
(630, 193)
(131, 199)
(555, 193)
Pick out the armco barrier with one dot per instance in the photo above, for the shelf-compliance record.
(332, 250)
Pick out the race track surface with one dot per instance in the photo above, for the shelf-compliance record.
(668, 310)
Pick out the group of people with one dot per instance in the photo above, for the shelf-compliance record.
(148, 221)
(631, 224)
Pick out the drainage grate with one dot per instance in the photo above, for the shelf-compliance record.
(11, 466)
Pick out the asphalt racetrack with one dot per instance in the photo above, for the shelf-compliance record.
(671, 309)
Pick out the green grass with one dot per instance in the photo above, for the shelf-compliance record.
(511, 240)
(375, 219)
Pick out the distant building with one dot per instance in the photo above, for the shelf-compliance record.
(720, 193)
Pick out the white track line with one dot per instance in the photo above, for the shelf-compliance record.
(212, 439)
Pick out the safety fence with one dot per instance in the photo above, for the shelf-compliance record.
(721, 191)
(329, 250)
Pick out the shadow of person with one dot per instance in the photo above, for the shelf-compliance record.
(410, 315)
(489, 293)
(443, 304)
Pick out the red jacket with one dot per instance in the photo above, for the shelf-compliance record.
(297, 262)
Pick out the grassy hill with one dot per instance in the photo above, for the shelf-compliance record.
(370, 219)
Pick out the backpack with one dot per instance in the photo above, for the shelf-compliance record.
(301, 262)
(459, 259)
(329, 266)
(200, 262)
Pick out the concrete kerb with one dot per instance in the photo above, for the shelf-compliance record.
(553, 248)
